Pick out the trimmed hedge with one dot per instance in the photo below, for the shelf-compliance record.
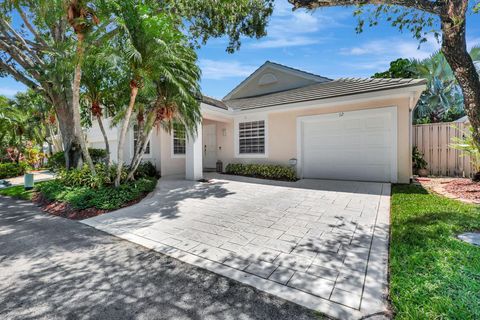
(264, 171)
(13, 169)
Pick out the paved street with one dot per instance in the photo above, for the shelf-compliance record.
(322, 244)
(54, 268)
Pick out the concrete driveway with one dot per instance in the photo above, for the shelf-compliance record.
(321, 244)
(55, 268)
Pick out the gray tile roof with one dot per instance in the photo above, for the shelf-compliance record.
(214, 102)
(323, 90)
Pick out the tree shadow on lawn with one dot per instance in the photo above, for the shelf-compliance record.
(57, 268)
(432, 272)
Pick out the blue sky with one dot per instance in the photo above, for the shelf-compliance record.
(322, 42)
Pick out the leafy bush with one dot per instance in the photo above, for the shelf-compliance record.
(84, 178)
(57, 160)
(145, 170)
(264, 171)
(418, 161)
(13, 169)
(466, 144)
(105, 197)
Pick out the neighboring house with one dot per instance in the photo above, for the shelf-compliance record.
(353, 129)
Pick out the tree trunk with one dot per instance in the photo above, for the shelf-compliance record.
(76, 103)
(123, 132)
(454, 48)
(105, 138)
(70, 139)
(142, 146)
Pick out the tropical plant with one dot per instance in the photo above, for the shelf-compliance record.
(468, 147)
(103, 75)
(442, 95)
(176, 100)
(418, 161)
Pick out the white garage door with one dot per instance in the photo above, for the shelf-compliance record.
(356, 145)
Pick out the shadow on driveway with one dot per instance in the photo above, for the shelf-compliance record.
(52, 267)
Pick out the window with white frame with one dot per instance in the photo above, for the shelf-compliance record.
(179, 140)
(251, 137)
(135, 140)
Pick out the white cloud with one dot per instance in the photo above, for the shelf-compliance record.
(9, 92)
(394, 48)
(297, 28)
(283, 42)
(218, 70)
(473, 42)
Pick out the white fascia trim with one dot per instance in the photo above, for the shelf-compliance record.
(393, 112)
(236, 136)
(273, 65)
(322, 103)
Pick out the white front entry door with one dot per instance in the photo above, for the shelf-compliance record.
(209, 146)
(355, 145)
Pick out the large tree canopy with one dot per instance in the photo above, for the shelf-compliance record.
(42, 43)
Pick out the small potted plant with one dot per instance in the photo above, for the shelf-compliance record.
(419, 163)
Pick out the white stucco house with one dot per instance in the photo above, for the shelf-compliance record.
(349, 128)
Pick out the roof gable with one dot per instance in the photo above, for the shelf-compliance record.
(273, 77)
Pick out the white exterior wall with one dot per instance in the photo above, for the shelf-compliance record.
(95, 140)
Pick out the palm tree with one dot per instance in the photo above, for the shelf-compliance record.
(81, 18)
(103, 79)
(147, 34)
(176, 98)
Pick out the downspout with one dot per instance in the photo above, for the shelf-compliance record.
(411, 106)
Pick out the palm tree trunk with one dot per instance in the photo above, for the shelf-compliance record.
(76, 102)
(123, 132)
(139, 155)
(105, 138)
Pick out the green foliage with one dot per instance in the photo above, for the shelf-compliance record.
(84, 178)
(13, 169)
(104, 197)
(400, 68)
(433, 275)
(264, 171)
(418, 161)
(146, 170)
(443, 98)
(57, 161)
(466, 144)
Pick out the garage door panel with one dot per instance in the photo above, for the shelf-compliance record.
(355, 146)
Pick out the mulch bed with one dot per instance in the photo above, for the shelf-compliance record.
(63, 209)
(461, 189)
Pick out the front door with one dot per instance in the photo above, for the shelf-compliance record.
(209, 146)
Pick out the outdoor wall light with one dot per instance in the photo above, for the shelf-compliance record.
(292, 162)
(224, 132)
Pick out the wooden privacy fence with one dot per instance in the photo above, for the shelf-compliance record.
(434, 140)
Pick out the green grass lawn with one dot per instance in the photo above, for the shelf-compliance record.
(433, 275)
(17, 192)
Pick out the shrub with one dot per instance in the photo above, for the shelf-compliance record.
(418, 161)
(264, 171)
(56, 161)
(105, 197)
(84, 178)
(145, 170)
(13, 169)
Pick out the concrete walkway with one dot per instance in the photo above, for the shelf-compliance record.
(320, 244)
(54, 268)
